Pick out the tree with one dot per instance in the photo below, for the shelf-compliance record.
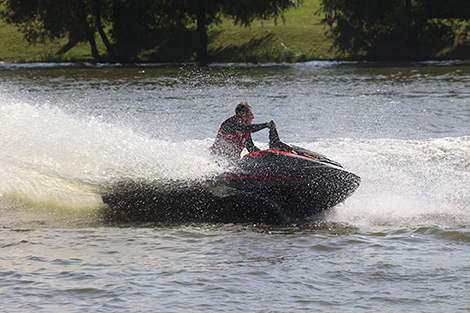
(209, 12)
(392, 29)
(139, 25)
(136, 25)
(78, 20)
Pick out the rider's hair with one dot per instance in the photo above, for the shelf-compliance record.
(242, 108)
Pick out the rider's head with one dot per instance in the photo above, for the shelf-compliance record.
(244, 112)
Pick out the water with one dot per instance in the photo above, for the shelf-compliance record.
(399, 244)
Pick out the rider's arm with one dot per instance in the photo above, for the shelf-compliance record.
(236, 124)
(250, 146)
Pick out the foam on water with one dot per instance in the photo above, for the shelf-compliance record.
(52, 160)
(62, 162)
(405, 183)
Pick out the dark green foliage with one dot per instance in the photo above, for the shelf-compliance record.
(174, 30)
(393, 29)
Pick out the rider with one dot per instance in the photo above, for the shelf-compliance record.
(235, 133)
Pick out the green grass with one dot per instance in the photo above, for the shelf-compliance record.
(301, 36)
(15, 49)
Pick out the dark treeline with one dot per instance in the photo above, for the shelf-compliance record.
(177, 30)
(398, 29)
(174, 30)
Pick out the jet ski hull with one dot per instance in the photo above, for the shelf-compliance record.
(296, 198)
(271, 187)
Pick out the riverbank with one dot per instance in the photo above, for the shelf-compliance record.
(301, 37)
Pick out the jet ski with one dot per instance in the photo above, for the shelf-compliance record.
(281, 185)
(297, 183)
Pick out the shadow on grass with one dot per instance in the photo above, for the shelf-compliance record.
(263, 49)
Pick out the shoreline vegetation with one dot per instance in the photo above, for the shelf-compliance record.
(301, 37)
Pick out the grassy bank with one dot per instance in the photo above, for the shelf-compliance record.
(15, 49)
(301, 37)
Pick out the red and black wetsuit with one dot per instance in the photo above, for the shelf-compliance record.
(234, 136)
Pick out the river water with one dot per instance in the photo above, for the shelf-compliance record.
(400, 243)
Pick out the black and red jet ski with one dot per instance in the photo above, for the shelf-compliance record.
(297, 183)
(274, 186)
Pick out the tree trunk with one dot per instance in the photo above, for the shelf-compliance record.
(201, 56)
(67, 47)
(94, 49)
(109, 46)
(99, 26)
